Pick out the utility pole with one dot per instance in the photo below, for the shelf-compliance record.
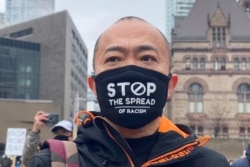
(76, 110)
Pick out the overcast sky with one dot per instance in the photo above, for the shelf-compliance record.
(92, 17)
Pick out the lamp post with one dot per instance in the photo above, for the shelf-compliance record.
(76, 110)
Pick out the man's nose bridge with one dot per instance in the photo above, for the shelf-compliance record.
(131, 62)
(131, 58)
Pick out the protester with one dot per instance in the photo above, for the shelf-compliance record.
(230, 162)
(243, 161)
(61, 131)
(5, 161)
(18, 161)
(132, 81)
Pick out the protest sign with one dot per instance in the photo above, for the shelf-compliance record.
(15, 141)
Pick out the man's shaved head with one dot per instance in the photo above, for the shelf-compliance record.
(130, 18)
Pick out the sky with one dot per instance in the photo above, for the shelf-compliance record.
(92, 17)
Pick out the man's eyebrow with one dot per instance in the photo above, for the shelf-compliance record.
(115, 48)
(145, 48)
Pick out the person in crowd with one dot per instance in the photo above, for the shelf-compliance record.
(5, 161)
(132, 81)
(243, 161)
(61, 131)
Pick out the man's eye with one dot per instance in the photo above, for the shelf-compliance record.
(112, 59)
(148, 58)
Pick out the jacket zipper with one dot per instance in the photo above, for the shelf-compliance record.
(162, 158)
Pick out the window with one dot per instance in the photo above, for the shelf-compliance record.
(195, 63)
(193, 128)
(219, 36)
(195, 97)
(248, 132)
(244, 132)
(221, 131)
(188, 64)
(248, 64)
(21, 33)
(28, 82)
(243, 64)
(223, 64)
(21, 82)
(216, 131)
(202, 64)
(28, 68)
(219, 64)
(200, 131)
(216, 64)
(236, 63)
(225, 130)
(244, 98)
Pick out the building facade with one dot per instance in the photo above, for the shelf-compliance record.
(2, 23)
(19, 69)
(63, 58)
(211, 56)
(18, 11)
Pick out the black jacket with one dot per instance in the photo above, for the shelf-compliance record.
(100, 145)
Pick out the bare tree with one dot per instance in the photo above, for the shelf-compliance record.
(217, 119)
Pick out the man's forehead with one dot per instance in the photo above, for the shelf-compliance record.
(132, 28)
(127, 24)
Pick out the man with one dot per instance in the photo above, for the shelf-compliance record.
(244, 161)
(132, 82)
(61, 131)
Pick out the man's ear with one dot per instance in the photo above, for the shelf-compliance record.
(171, 85)
(91, 83)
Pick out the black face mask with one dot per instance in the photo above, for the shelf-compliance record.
(131, 96)
(61, 137)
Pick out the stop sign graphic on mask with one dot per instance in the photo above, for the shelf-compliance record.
(131, 96)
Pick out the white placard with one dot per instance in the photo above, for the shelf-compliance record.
(15, 141)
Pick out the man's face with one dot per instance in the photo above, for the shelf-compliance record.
(132, 42)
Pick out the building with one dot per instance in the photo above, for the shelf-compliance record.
(18, 11)
(19, 69)
(211, 56)
(63, 58)
(20, 114)
(92, 103)
(176, 8)
(245, 4)
(183, 7)
(1, 20)
(169, 18)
